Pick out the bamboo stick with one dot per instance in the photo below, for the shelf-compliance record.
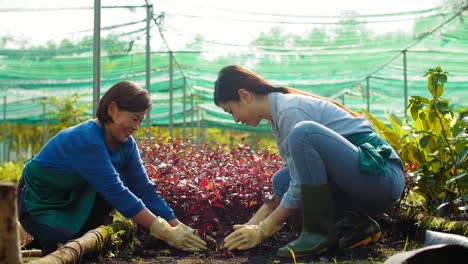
(93, 242)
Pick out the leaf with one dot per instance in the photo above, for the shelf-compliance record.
(439, 90)
(414, 113)
(462, 156)
(424, 141)
(458, 177)
(430, 83)
(443, 106)
(443, 78)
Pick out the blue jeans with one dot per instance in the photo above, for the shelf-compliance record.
(322, 156)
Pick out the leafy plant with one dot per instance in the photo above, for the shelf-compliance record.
(67, 111)
(210, 188)
(11, 172)
(433, 144)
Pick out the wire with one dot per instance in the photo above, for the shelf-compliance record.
(158, 21)
(338, 16)
(113, 26)
(419, 39)
(283, 22)
(60, 8)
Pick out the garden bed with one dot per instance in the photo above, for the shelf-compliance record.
(152, 251)
(135, 245)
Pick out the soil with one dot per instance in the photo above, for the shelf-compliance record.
(149, 250)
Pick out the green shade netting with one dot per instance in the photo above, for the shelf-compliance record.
(360, 69)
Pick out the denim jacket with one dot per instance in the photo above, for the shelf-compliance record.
(289, 109)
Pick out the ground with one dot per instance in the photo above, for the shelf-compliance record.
(152, 251)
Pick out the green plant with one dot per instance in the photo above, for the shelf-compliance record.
(11, 172)
(66, 111)
(433, 144)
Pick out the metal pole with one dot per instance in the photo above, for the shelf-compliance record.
(44, 123)
(367, 93)
(149, 15)
(192, 115)
(97, 55)
(184, 107)
(405, 83)
(171, 90)
(199, 126)
(4, 129)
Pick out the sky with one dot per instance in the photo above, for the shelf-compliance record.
(234, 22)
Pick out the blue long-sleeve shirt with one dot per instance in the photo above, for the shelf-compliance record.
(82, 149)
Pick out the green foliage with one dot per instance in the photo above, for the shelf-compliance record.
(11, 172)
(215, 137)
(66, 112)
(22, 140)
(433, 146)
(29, 139)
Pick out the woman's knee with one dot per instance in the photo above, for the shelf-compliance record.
(280, 182)
(301, 131)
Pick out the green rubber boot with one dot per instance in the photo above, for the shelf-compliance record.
(318, 229)
(355, 230)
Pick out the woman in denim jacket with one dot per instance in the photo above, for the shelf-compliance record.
(336, 168)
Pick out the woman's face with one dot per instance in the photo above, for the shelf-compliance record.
(124, 125)
(242, 112)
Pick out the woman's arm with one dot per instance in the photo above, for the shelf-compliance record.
(138, 182)
(280, 214)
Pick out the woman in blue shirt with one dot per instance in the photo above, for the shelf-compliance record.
(336, 168)
(84, 171)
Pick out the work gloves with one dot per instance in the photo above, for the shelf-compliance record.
(181, 236)
(261, 214)
(248, 236)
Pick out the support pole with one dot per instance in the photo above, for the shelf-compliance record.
(405, 82)
(192, 107)
(44, 122)
(149, 16)
(199, 127)
(4, 132)
(171, 91)
(97, 56)
(368, 93)
(184, 107)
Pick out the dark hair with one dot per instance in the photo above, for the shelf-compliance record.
(234, 77)
(128, 96)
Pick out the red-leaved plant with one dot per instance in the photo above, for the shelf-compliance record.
(209, 188)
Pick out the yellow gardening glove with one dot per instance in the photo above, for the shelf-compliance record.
(186, 227)
(181, 237)
(261, 214)
(248, 236)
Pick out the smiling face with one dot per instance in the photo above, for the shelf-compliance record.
(245, 111)
(124, 124)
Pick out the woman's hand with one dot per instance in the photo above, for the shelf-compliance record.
(248, 236)
(181, 236)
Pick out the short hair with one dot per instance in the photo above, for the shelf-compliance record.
(128, 96)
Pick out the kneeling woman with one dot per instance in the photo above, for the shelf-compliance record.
(336, 168)
(86, 170)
